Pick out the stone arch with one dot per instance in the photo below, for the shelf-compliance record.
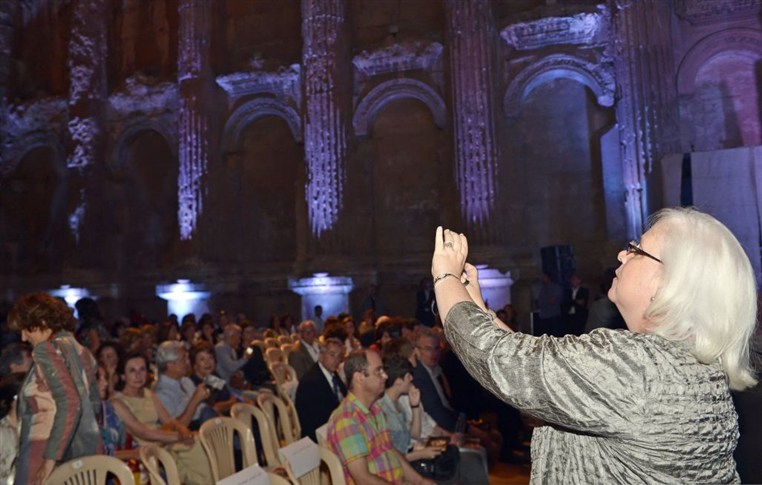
(597, 77)
(389, 91)
(132, 130)
(32, 141)
(735, 39)
(254, 109)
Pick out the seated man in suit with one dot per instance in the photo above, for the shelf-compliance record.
(305, 352)
(320, 390)
(436, 395)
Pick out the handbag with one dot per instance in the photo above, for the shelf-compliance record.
(442, 468)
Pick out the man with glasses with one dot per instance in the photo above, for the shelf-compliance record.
(358, 432)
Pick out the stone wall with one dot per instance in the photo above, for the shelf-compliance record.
(243, 144)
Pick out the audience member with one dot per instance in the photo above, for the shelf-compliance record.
(113, 434)
(16, 357)
(9, 424)
(424, 300)
(183, 399)
(549, 307)
(91, 331)
(108, 356)
(305, 352)
(59, 402)
(320, 389)
(603, 313)
(404, 417)
(357, 429)
(276, 325)
(318, 318)
(203, 361)
(146, 419)
(351, 342)
(575, 306)
(228, 362)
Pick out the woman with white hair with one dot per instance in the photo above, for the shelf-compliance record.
(651, 404)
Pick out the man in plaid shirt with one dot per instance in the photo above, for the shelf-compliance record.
(357, 429)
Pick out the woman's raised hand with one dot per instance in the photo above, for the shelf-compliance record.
(450, 252)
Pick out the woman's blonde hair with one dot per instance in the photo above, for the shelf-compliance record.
(708, 296)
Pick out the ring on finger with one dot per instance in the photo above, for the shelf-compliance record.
(449, 244)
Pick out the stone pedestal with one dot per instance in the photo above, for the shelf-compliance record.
(185, 297)
(330, 292)
(496, 286)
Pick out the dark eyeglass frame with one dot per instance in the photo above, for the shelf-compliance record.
(632, 247)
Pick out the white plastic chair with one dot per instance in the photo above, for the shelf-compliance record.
(244, 413)
(155, 458)
(91, 470)
(216, 437)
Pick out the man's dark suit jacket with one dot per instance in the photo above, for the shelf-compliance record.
(445, 418)
(300, 359)
(315, 400)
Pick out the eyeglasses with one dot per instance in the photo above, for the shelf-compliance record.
(632, 247)
(379, 371)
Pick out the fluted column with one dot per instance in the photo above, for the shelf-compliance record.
(647, 106)
(325, 120)
(86, 64)
(471, 37)
(8, 13)
(194, 76)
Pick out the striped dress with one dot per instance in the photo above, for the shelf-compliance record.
(58, 406)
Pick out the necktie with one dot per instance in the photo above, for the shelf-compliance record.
(337, 387)
(445, 385)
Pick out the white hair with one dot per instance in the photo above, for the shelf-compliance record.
(708, 296)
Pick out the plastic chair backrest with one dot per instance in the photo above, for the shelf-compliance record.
(155, 458)
(278, 414)
(217, 439)
(91, 470)
(244, 413)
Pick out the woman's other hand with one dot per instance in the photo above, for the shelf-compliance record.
(414, 395)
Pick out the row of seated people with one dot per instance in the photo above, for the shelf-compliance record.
(194, 386)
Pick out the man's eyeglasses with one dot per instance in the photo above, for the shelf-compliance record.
(632, 247)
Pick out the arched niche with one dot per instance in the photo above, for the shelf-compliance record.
(553, 179)
(597, 77)
(264, 181)
(251, 111)
(33, 229)
(133, 129)
(718, 85)
(144, 227)
(390, 91)
(407, 175)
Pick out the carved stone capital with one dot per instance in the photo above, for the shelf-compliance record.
(398, 57)
(282, 83)
(707, 11)
(586, 28)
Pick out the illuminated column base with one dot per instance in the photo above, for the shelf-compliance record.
(330, 292)
(185, 297)
(496, 286)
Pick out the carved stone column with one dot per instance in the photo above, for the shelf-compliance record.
(86, 64)
(8, 13)
(646, 110)
(471, 38)
(194, 81)
(325, 120)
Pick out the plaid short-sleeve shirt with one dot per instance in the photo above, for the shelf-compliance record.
(355, 431)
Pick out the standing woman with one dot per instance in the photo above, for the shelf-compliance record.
(58, 402)
(649, 404)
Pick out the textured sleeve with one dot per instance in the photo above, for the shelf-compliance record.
(594, 383)
(53, 368)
